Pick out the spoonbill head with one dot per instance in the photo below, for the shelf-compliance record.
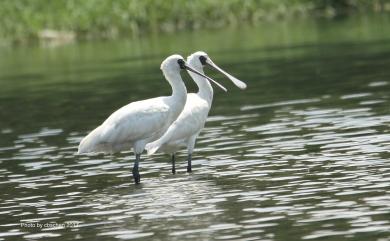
(172, 64)
(200, 59)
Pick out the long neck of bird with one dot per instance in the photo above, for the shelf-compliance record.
(205, 90)
(179, 91)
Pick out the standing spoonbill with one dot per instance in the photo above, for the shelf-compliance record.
(185, 130)
(140, 122)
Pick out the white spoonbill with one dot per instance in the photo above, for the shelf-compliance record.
(185, 130)
(140, 122)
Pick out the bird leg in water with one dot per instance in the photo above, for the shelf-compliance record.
(173, 164)
(136, 176)
(189, 168)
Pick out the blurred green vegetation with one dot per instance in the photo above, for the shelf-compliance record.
(25, 20)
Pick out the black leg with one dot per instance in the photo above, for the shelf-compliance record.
(189, 167)
(136, 176)
(173, 164)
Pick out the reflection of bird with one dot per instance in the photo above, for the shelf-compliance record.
(140, 122)
(185, 130)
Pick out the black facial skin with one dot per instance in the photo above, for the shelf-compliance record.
(181, 63)
(203, 59)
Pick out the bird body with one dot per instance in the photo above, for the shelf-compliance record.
(137, 123)
(184, 131)
(133, 125)
(186, 127)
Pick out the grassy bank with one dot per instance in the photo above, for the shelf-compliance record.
(26, 20)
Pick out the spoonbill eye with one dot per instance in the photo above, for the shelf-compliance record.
(203, 59)
(181, 63)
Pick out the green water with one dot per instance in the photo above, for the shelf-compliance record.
(302, 154)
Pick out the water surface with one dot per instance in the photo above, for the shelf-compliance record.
(302, 154)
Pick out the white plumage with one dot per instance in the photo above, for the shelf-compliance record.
(134, 125)
(185, 129)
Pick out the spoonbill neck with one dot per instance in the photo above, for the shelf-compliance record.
(205, 90)
(179, 90)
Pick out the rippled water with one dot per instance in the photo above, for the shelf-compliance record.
(303, 154)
